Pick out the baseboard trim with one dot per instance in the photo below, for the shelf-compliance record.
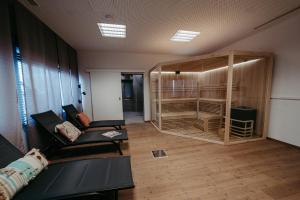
(285, 143)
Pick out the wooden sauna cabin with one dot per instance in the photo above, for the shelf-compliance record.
(222, 98)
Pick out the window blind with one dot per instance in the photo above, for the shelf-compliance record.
(20, 87)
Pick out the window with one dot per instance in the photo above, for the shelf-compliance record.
(20, 86)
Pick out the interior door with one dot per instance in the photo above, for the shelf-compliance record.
(106, 92)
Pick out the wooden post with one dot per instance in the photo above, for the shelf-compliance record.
(198, 95)
(268, 96)
(228, 98)
(151, 95)
(159, 98)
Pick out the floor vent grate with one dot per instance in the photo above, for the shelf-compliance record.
(159, 154)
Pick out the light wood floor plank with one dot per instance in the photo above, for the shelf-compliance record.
(197, 170)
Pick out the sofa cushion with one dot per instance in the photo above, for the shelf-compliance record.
(84, 119)
(68, 130)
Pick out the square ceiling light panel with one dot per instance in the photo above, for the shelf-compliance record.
(184, 36)
(112, 30)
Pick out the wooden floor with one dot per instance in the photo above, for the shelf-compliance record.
(204, 171)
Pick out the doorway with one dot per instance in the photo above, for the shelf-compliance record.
(133, 97)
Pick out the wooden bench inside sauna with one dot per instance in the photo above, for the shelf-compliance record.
(210, 114)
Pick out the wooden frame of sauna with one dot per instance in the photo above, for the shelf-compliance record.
(232, 91)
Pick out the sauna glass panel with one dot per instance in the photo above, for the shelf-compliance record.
(212, 98)
(179, 100)
(154, 81)
(248, 98)
(194, 98)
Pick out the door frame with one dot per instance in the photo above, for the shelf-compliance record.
(143, 74)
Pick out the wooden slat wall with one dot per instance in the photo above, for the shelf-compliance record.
(183, 85)
(212, 84)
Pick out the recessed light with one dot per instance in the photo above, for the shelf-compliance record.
(112, 30)
(184, 36)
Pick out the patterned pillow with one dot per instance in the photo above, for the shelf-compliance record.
(68, 130)
(84, 119)
(17, 174)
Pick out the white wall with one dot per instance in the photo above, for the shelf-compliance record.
(283, 39)
(117, 61)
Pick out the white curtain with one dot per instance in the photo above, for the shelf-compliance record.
(34, 77)
(40, 71)
(50, 71)
(76, 96)
(64, 64)
(10, 124)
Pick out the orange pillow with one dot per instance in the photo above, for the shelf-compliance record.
(84, 119)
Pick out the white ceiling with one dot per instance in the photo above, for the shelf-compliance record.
(151, 23)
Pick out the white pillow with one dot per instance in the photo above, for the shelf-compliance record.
(17, 174)
(68, 130)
